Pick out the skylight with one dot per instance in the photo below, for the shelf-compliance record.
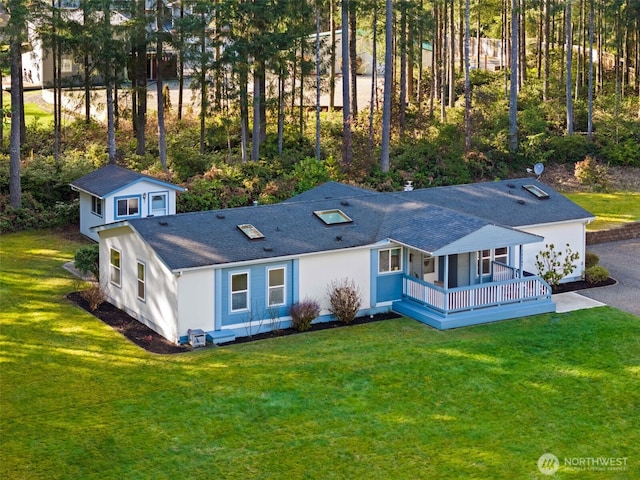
(536, 191)
(250, 231)
(333, 217)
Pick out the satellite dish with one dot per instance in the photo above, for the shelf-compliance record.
(538, 168)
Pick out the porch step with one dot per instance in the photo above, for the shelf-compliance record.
(472, 317)
(221, 336)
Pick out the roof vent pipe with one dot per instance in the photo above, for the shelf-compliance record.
(255, 203)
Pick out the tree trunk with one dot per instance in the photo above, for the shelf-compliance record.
(467, 82)
(388, 70)
(569, 48)
(374, 75)
(317, 12)
(590, 75)
(15, 188)
(353, 58)
(513, 96)
(332, 58)
(162, 136)
(402, 34)
(346, 102)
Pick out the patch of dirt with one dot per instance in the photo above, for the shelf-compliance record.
(128, 326)
(581, 285)
(153, 342)
(561, 177)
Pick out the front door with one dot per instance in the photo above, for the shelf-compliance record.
(159, 203)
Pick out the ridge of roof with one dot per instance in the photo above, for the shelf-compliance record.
(111, 177)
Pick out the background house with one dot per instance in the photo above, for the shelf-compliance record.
(113, 193)
(235, 272)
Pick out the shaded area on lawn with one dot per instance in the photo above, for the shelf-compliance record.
(153, 342)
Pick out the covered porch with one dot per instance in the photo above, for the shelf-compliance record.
(468, 287)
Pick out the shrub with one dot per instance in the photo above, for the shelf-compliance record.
(33, 215)
(591, 259)
(596, 274)
(94, 296)
(589, 172)
(303, 313)
(87, 260)
(552, 267)
(568, 148)
(344, 300)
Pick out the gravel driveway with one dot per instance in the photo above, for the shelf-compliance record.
(622, 259)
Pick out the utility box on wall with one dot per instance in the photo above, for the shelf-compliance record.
(197, 338)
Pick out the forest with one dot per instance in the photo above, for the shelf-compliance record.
(560, 86)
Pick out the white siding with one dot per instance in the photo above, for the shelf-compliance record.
(318, 271)
(559, 235)
(159, 310)
(88, 219)
(142, 189)
(196, 301)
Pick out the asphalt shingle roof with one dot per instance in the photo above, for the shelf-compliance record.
(110, 178)
(428, 219)
(504, 202)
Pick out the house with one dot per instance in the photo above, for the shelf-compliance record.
(113, 193)
(447, 256)
(38, 58)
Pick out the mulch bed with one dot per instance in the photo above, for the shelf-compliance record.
(153, 342)
(128, 326)
(581, 285)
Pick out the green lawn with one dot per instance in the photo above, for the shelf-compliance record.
(388, 400)
(611, 209)
(32, 112)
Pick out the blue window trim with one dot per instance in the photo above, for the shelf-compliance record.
(127, 197)
(248, 307)
(401, 257)
(284, 285)
(150, 204)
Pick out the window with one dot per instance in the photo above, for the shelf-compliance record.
(276, 281)
(501, 255)
(389, 260)
(429, 264)
(536, 192)
(114, 260)
(96, 205)
(158, 204)
(333, 217)
(239, 292)
(484, 262)
(141, 280)
(250, 231)
(67, 65)
(128, 207)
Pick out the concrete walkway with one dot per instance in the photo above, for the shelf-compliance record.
(570, 301)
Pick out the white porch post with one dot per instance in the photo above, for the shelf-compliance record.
(446, 271)
(520, 267)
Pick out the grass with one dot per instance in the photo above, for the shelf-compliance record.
(393, 399)
(32, 113)
(610, 209)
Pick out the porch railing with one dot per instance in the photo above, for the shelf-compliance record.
(475, 296)
(503, 272)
